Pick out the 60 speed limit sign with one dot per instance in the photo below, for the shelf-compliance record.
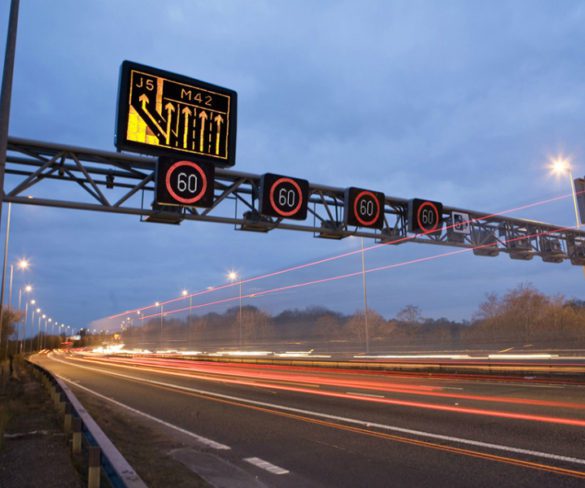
(284, 197)
(424, 216)
(183, 182)
(364, 208)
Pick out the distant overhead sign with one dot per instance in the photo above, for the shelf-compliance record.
(364, 208)
(168, 114)
(184, 183)
(284, 197)
(460, 223)
(424, 216)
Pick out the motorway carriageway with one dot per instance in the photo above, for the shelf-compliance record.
(275, 425)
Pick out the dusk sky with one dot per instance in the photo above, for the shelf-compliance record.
(463, 102)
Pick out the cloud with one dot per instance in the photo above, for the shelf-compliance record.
(455, 101)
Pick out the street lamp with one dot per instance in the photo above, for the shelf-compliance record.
(49, 326)
(366, 331)
(232, 276)
(185, 293)
(22, 264)
(32, 323)
(44, 336)
(560, 166)
(27, 289)
(38, 311)
(141, 315)
(162, 319)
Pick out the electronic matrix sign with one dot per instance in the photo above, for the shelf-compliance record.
(185, 183)
(284, 197)
(168, 114)
(364, 208)
(424, 216)
(460, 223)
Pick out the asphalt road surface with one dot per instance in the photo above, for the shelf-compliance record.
(303, 427)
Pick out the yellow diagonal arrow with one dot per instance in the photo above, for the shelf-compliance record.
(143, 99)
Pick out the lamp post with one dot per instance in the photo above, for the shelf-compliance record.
(562, 165)
(185, 293)
(141, 315)
(27, 289)
(43, 341)
(38, 311)
(22, 264)
(5, 96)
(23, 342)
(158, 304)
(49, 327)
(366, 331)
(233, 277)
(32, 323)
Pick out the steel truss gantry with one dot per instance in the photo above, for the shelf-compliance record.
(124, 184)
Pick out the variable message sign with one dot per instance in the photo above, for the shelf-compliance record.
(185, 183)
(168, 114)
(284, 197)
(460, 223)
(424, 216)
(364, 208)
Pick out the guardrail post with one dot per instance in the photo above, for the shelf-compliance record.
(76, 438)
(93, 475)
(60, 403)
(68, 419)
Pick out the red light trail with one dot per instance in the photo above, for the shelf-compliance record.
(349, 275)
(322, 380)
(574, 422)
(332, 258)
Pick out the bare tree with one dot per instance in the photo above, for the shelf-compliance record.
(410, 314)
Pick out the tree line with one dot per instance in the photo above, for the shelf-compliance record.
(521, 318)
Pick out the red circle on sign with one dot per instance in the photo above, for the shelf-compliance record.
(196, 167)
(436, 210)
(366, 223)
(273, 203)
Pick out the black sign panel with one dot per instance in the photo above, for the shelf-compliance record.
(284, 197)
(364, 208)
(185, 183)
(168, 114)
(424, 216)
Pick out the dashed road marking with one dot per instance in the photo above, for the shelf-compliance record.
(271, 468)
(364, 394)
(348, 420)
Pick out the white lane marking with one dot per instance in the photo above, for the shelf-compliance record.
(271, 468)
(364, 394)
(558, 387)
(348, 420)
(203, 440)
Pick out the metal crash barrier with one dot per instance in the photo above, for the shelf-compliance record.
(88, 442)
